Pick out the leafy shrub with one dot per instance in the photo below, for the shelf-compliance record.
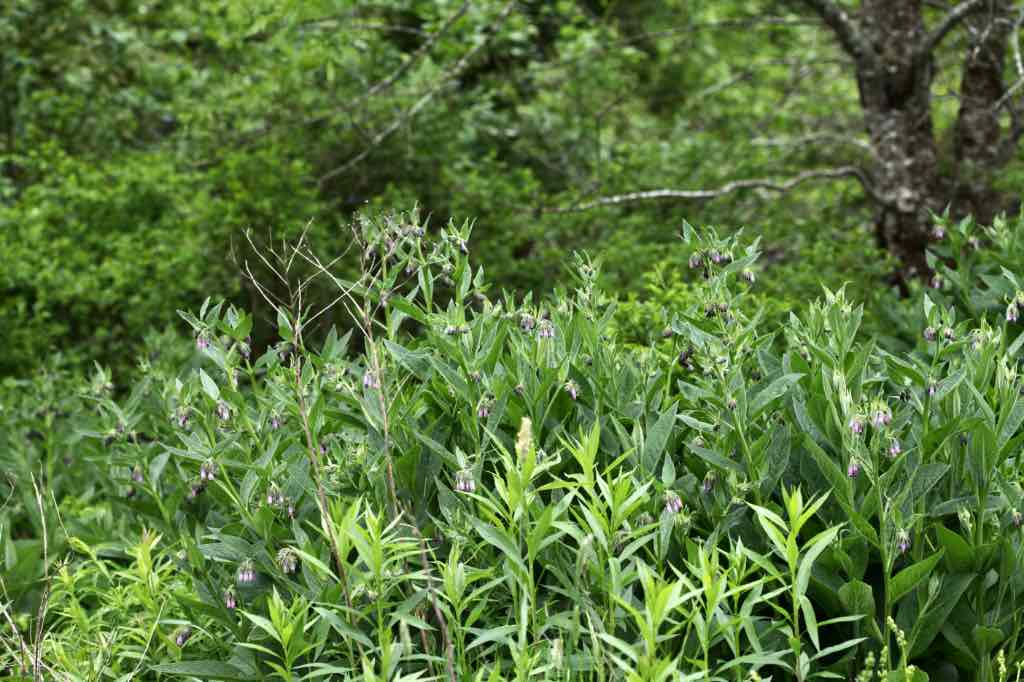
(479, 488)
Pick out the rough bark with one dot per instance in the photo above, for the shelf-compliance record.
(893, 48)
(979, 136)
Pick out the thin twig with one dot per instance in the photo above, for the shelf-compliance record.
(728, 188)
(411, 112)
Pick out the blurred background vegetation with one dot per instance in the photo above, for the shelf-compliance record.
(139, 140)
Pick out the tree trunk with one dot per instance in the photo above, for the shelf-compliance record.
(979, 143)
(895, 93)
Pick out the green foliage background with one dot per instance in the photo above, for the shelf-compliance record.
(139, 140)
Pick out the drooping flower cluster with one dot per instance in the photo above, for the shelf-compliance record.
(853, 468)
(546, 330)
(572, 388)
(246, 573)
(673, 503)
(288, 560)
(464, 481)
(230, 600)
(208, 470)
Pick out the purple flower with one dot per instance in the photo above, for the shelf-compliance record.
(709, 482)
(853, 468)
(936, 282)
(323, 449)
(195, 489)
(695, 260)
(894, 448)
(464, 482)
(370, 380)
(274, 496)
(856, 426)
(289, 507)
(673, 503)
(483, 410)
(275, 423)
(202, 343)
(932, 388)
(137, 473)
(546, 330)
(902, 541)
(527, 323)
(882, 417)
(716, 257)
(1012, 312)
(223, 411)
(451, 330)
(287, 560)
(246, 573)
(938, 233)
(208, 470)
(948, 334)
(929, 333)
(182, 416)
(230, 601)
(572, 388)
(182, 636)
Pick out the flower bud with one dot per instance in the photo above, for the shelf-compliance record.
(182, 636)
(853, 468)
(464, 482)
(370, 380)
(709, 482)
(935, 282)
(182, 416)
(894, 448)
(275, 423)
(938, 233)
(1012, 312)
(695, 260)
(207, 470)
(246, 573)
(1015, 518)
(223, 411)
(929, 334)
(948, 333)
(202, 343)
(572, 388)
(230, 600)
(666, 333)
(546, 330)
(902, 541)
(673, 503)
(137, 473)
(856, 426)
(287, 560)
(731, 404)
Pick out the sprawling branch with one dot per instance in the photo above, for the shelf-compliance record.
(728, 188)
(425, 99)
(845, 29)
(933, 38)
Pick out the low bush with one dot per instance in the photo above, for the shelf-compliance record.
(474, 487)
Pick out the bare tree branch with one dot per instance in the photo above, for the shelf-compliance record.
(728, 188)
(948, 23)
(845, 29)
(411, 112)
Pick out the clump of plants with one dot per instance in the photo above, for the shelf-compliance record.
(471, 486)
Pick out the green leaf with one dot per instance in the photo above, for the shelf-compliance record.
(210, 670)
(959, 555)
(656, 440)
(812, 550)
(773, 391)
(209, 386)
(907, 579)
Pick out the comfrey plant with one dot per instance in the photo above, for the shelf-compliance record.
(468, 486)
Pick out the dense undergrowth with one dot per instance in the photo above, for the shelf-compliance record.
(473, 487)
